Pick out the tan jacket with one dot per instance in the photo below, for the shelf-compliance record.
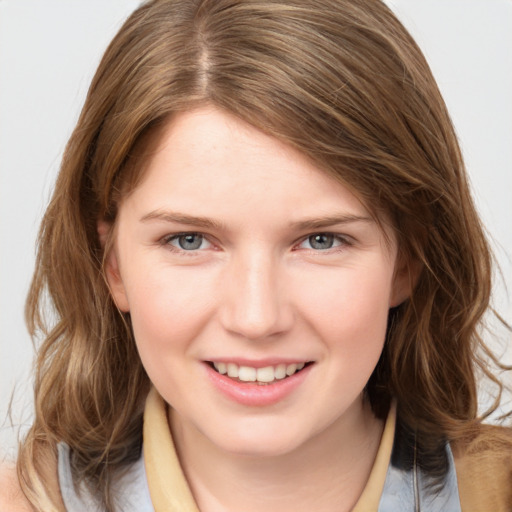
(484, 471)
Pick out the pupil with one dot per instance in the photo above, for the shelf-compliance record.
(321, 241)
(190, 242)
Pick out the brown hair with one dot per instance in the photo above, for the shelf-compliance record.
(341, 81)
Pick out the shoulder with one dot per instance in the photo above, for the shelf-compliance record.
(11, 496)
(484, 469)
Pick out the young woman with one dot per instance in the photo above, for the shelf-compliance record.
(267, 274)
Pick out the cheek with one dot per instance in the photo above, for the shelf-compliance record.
(349, 307)
(168, 308)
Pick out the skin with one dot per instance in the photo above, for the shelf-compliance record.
(11, 497)
(256, 288)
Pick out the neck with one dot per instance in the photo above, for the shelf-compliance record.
(326, 473)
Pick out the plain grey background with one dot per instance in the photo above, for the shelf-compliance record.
(49, 51)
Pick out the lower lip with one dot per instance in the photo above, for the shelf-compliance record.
(253, 394)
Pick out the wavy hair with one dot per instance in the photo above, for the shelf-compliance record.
(342, 82)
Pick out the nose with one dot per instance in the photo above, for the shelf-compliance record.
(254, 298)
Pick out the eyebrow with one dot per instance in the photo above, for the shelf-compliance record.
(208, 223)
(324, 222)
(182, 218)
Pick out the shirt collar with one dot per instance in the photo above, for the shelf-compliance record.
(168, 486)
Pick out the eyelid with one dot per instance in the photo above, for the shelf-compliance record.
(166, 242)
(345, 241)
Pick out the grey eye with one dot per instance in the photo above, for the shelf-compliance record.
(321, 241)
(190, 241)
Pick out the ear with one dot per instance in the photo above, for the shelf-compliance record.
(407, 273)
(111, 267)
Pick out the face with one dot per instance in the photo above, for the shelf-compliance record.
(258, 287)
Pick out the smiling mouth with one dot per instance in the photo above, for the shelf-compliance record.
(260, 376)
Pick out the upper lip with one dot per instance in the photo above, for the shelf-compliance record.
(259, 363)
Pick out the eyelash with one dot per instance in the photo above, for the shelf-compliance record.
(166, 241)
(342, 242)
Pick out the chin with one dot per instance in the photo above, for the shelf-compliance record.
(262, 447)
(263, 440)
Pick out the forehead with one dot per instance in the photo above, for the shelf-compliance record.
(210, 163)
(209, 151)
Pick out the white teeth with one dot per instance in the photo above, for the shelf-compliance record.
(291, 369)
(221, 368)
(263, 375)
(247, 374)
(280, 371)
(232, 370)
